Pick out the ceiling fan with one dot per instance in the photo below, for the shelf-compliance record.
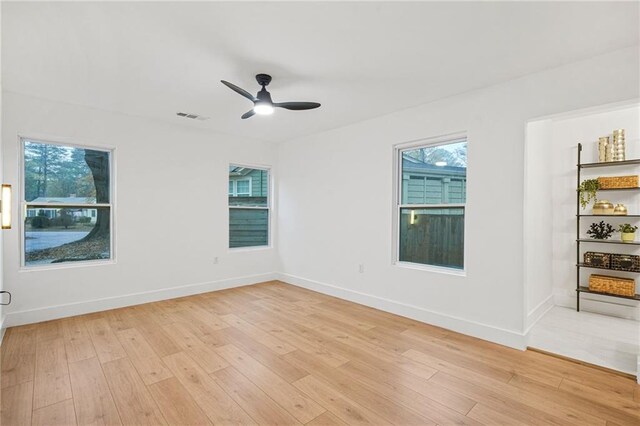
(262, 103)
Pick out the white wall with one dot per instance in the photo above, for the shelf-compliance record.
(171, 212)
(566, 133)
(2, 309)
(336, 199)
(537, 221)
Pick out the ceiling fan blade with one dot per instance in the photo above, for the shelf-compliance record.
(248, 114)
(297, 106)
(239, 90)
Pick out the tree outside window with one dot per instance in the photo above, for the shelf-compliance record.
(67, 197)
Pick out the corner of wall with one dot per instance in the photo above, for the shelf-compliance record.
(535, 314)
(493, 334)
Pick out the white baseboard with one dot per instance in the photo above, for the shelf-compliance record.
(61, 311)
(593, 303)
(498, 335)
(534, 315)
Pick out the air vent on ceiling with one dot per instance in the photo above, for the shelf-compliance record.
(191, 116)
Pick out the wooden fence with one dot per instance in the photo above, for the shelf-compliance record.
(433, 239)
(248, 227)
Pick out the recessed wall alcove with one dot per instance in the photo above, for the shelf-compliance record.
(609, 325)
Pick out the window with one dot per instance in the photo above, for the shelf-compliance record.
(432, 187)
(240, 188)
(243, 188)
(248, 207)
(67, 204)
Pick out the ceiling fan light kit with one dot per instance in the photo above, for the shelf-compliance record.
(263, 108)
(262, 102)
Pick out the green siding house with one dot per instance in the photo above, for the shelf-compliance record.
(245, 182)
(424, 183)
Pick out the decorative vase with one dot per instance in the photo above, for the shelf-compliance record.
(618, 145)
(603, 207)
(609, 151)
(620, 210)
(628, 236)
(603, 148)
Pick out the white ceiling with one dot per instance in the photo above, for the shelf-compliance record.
(360, 60)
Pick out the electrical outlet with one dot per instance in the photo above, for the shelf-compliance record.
(361, 268)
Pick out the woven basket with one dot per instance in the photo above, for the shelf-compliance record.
(597, 260)
(612, 285)
(625, 262)
(612, 182)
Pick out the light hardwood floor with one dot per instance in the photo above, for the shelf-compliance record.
(277, 354)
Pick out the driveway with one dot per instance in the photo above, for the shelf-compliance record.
(42, 240)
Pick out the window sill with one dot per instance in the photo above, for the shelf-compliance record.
(254, 248)
(431, 268)
(68, 265)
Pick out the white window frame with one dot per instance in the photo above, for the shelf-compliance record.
(398, 149)
(234, 184)
(268, 207)
(24, 204)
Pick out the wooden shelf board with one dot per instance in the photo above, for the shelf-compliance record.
(582, 265)
(609, 164)
(616, 189)
(619, 189)
(583, 289)
(592, 240)
(609, 215)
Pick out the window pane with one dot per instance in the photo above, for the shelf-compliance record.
(230, 188)
(64, 174)
(243, 187)
(248, 227)
(435, 174)
(56, 235)
(252, 186)
(432, 236)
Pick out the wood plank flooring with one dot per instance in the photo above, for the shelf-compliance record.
(277, 354)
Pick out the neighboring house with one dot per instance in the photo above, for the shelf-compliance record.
(52, 212)
(246, 182)
(424, 183)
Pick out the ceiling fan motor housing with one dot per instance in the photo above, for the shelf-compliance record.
(264, 96)
(263, 79)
